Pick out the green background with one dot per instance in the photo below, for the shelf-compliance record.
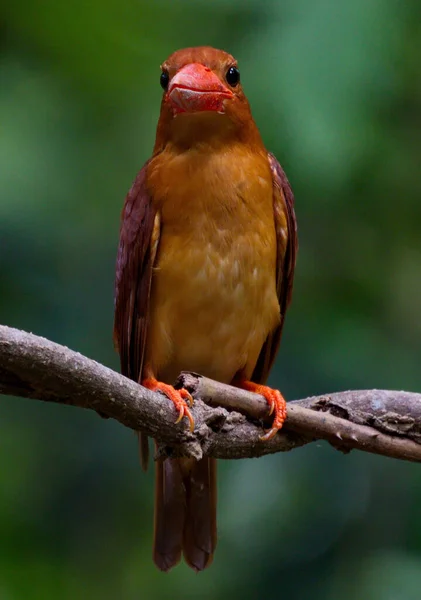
(335, 89)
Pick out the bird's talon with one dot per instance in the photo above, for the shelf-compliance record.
(277, 406)
(180, 415)
(190, 418)
(269, 434)
(187, 396)
(180, 398)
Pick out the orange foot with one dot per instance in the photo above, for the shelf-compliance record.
(277, 405)
(181, 398)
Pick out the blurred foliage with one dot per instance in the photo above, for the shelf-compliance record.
(336, 91)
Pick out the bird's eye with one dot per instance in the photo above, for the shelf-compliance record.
(164, 79)
(233, 76)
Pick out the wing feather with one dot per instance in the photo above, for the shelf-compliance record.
(287, 245)
(139, 236)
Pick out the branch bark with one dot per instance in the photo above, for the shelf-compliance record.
(228, 421)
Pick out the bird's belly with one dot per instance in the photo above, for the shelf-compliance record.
(211, 309)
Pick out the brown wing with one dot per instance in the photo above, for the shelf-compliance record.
(139, 237)
(139, 234)
(287, 245)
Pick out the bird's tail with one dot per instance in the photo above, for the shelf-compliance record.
(185, 512)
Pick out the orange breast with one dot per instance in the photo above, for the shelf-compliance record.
(213, 296)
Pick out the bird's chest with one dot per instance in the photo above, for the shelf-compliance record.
(213, 298)
(215, 279)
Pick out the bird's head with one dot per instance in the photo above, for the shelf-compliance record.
(203, 98)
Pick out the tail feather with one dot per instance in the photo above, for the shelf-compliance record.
(143, 442)
(199, 536)
(185, 512)
(169, 513)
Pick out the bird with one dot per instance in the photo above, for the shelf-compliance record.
(204, 275)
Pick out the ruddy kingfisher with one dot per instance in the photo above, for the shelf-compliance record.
(204, 274)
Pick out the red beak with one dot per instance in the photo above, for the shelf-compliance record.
(195, 88)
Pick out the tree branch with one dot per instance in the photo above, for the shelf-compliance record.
(378, 421)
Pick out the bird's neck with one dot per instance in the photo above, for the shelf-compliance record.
(213, 184)
(208, 132)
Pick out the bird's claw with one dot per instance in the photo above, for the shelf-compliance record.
(187, 396)
(181, 399)
(277, 406)
(269, 434)
(184, 411)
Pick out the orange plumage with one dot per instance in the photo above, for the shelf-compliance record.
(204, 273)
